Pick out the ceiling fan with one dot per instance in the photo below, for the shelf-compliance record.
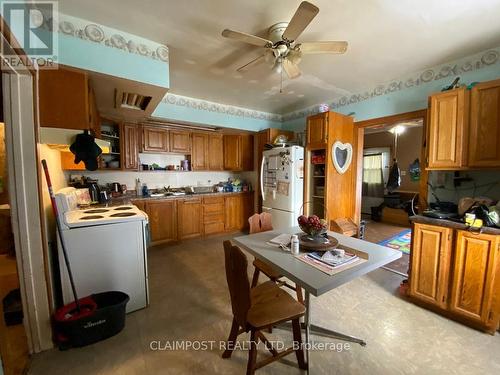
(282, 47)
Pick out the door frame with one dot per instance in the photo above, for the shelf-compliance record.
(18, 88)
(359, 129)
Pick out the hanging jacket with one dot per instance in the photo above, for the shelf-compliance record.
(85, 149)
(394, 180)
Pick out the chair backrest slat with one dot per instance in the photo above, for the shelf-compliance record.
(254, 222)
(260, 222)
(237, 281)
(266, 222)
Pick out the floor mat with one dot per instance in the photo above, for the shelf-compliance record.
(401, 241)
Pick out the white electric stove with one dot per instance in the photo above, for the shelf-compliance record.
(107, 249)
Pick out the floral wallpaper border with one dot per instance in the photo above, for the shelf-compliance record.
(113, 38)
(204, 105)
(475, 62)
(87, 30)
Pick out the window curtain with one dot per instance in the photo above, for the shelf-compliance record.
(373, 181)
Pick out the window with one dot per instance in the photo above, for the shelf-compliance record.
(373, 181)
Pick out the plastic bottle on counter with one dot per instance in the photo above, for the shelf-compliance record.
(138, 187)
(294, 245)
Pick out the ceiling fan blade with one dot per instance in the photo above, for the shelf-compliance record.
(247, 38)
(251, 64)
(294, 56)
(323, 47)
(291, 70)
(302, 17)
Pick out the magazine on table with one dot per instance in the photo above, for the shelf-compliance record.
(333, 259)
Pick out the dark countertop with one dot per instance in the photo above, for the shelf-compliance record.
(452, 224)
(131, 198)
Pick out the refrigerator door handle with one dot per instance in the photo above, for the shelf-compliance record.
(262, 178)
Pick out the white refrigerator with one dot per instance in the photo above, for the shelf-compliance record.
(282, 184)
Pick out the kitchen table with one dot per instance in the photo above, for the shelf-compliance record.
(311, 279)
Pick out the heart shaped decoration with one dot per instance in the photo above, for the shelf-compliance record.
(341, 156)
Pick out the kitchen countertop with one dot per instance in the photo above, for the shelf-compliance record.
(131, 198)
(452, 224)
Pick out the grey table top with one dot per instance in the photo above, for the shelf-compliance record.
(311, 279)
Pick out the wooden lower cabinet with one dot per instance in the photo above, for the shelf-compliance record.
(457, 273)
(188, 218)
(172, 220)
(237, 210)
(430, 265)
(213, 215)
(474, 274)
(162, 220)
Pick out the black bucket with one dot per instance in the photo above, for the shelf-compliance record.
(102, 315)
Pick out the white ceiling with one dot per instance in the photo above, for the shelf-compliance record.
(387, 40)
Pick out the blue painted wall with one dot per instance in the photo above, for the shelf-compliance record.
(183, 113)
(96, 57)
(406, 100)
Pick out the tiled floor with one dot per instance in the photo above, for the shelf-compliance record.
(190, 301)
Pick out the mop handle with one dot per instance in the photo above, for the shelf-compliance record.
(59, 232)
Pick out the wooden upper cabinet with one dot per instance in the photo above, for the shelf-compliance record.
(94, 118)
(200, 151)
(64, 100)
(190, 218)
(430, 263)
(162, 220)
(484, 135)
(474, 273)
(180, 141)
(247, 161)
(448, 125)
(215, 152)
(317, 130)
(238, 152)
(130, 146)
(154, 139)
(232, 152)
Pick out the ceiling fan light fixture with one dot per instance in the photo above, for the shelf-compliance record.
(278, 65)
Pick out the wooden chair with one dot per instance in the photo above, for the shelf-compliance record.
(257, 309)
(262, 223)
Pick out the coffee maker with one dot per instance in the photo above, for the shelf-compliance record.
(94, 190)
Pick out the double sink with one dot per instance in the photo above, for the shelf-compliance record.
(186, 191)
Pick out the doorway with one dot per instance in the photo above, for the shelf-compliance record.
(14, 348)
(391, 180)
